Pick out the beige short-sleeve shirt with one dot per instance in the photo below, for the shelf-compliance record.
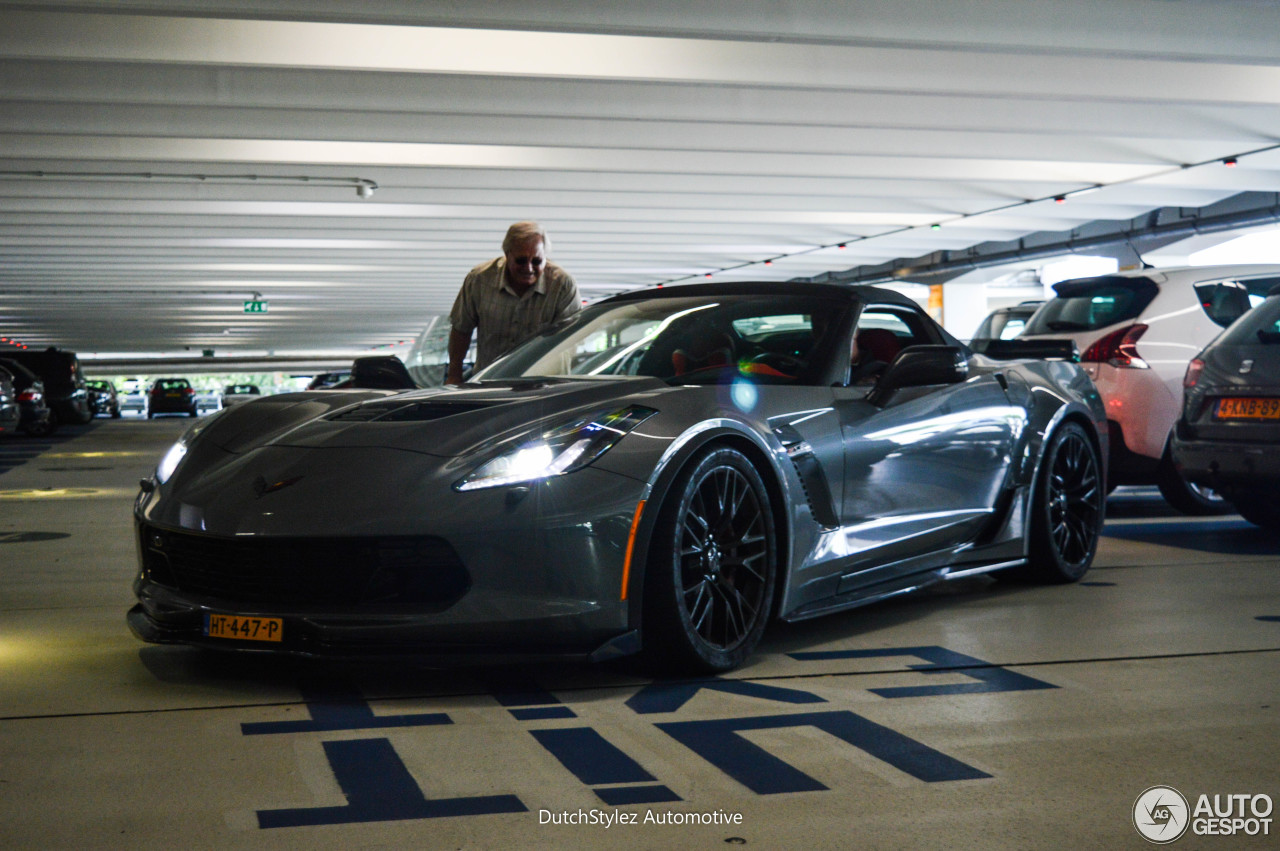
(487, 304)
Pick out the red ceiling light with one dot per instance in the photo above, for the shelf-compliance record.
(768, 262)
(1060, 199)
(1230, 162)
(841, 246)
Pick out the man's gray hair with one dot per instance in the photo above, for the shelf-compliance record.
(522, 232)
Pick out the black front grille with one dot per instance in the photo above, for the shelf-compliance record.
(341, 574)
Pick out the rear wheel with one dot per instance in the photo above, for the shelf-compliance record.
(1183, 495)
(712, 567)
(1067, 509)
(1261, 508)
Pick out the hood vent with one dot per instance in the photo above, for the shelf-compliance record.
(403, 411)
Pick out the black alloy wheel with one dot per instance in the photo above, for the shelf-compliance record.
(712, 569)
(1067, 508)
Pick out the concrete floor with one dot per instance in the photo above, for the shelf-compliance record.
(985, 716)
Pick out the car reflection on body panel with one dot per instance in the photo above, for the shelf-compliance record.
(663, 474)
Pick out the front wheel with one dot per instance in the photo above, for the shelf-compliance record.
(1067, 508)
(712, 567)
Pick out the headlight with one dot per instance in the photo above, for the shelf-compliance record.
(169, 462)
(563, 449)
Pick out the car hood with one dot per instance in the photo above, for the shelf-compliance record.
(445, 422)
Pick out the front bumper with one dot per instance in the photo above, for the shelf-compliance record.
(534, 571)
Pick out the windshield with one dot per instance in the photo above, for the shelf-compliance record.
(773, 339)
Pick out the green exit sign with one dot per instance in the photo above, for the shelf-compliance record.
(255, 307)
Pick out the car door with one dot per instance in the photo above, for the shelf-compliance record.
(925, 466)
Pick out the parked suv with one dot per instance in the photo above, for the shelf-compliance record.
(63, 381)
(103, 398)
(1137, 332)
(171, 396)
(35, 416)
(1229, 433)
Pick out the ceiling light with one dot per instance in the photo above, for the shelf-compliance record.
(364, 187)
(1230, 162)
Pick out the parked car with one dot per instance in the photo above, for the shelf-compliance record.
(63, 381)
(36, 417)
(209, 400)
(327, 380)
(133, 395)
(1137, 332)
(1003, 323)
(171, 396)
(234, 394)
(664, 473)
(103, 398)
(1228, 437)
(10, 412)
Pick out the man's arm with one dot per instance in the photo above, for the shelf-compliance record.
(458, 345)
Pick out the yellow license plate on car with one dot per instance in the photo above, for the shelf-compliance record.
(243, 628)
(1248, 408)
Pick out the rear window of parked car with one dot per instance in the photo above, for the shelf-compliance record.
(1092, 303)
(1261, 325)
(1226, 301)
(173, 384)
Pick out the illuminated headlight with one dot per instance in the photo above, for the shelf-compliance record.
(563, 449)
(174, 456)
(169, 462)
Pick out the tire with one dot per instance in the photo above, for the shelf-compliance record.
(1185, 496)
(1261, 508)
(150, 414)
(115, 413)
(712, 567)
(1067, 509)
(44, 429)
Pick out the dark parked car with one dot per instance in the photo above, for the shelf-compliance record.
(1003, 323)
(1228, 437)
(664, 473)
(235, 394)
(171, 396)
(10, 413)
(63, 382)
(103, 398)
(327, 380)
(37, 418)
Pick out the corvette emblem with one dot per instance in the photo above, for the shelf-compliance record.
(262, 487)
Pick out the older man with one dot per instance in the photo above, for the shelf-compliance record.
(509, 299)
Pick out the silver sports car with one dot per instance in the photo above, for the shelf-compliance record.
(662, 474)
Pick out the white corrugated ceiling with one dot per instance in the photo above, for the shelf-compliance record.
(657, 141)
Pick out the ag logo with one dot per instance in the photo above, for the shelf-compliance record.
(1161, 814)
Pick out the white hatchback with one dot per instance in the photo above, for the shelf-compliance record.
(1137, 331)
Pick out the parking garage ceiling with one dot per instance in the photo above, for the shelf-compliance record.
(163, 163)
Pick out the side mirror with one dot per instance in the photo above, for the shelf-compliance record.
(381, 372)
(917, 366)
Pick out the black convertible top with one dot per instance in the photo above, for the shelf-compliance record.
(848, 292)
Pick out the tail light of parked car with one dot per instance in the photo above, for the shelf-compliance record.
(1119, 349)
(1193, 373)
(30, 396)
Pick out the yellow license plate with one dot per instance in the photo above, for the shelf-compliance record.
(243, 628)
(1248, 408)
